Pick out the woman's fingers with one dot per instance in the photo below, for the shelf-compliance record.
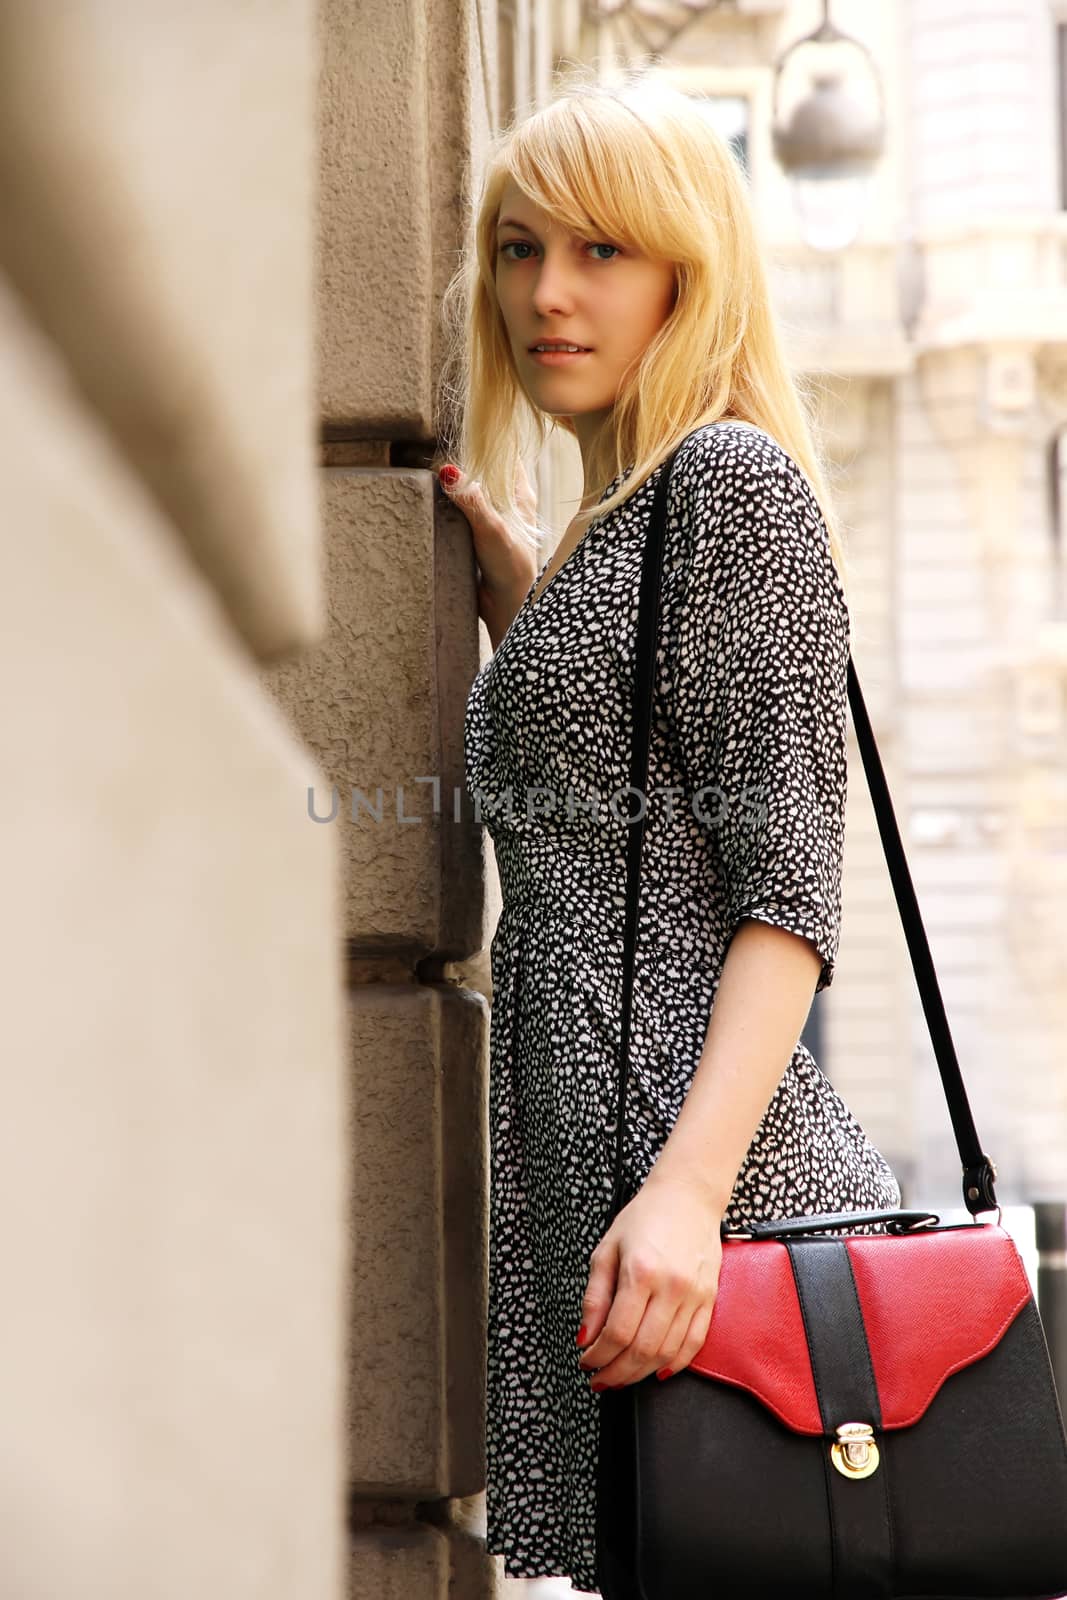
(662, 1328)
(599, 1292)
(471, 499)
(667, 1244)
(507, 564)
(693, 1342)
(671, 1349)
(493, 540)
(468, 495)
(626, 1321)
(639, 1311)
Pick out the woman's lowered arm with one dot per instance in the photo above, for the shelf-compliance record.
(762, 1002)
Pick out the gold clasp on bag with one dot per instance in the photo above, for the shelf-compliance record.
(855, 1455)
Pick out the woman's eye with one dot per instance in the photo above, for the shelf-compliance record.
(521, 244)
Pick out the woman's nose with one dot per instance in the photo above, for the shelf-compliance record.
(552, 287)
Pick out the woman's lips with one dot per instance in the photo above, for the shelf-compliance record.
(558, 358)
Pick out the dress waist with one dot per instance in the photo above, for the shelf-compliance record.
(542, 880)
(539, 875)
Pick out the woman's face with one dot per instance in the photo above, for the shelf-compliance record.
(589, 292)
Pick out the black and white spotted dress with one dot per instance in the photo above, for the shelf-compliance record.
(747, 785)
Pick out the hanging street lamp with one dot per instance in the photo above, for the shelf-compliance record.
(830, 143)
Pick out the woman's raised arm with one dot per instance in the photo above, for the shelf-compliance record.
(506, 565)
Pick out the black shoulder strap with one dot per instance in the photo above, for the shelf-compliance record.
(978, 1170)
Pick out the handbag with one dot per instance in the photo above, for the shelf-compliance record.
(872, 1414)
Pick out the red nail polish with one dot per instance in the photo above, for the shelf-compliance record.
(664, 1372)
(449, 476)
(581, 1334)
(596, 1387)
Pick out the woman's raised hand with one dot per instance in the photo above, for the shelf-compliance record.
(653, 1281)
(506, 565)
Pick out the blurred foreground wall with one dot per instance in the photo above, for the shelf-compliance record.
(172, 1209)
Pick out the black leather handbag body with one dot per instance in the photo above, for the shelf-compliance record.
(873, 1414)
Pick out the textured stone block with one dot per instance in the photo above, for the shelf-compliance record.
(465, 1212)
(403, 1563)
(403, 104)
(417, 1342)
(474, 1570)
(381, 704)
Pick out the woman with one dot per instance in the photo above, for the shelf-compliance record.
(617, 220)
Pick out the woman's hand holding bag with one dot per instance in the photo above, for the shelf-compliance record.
(652, 1285)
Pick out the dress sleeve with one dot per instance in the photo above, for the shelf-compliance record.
(759, 684)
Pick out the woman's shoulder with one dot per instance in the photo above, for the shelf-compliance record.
(743, 512)
(729, 452)
(732, 475)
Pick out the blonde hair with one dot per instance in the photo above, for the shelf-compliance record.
(637, 163)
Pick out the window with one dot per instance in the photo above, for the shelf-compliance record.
(729, 113)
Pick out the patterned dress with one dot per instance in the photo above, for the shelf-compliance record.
(745, 818)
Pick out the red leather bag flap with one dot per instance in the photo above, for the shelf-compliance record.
(932, 1302)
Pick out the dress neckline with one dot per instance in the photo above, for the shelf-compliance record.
(528, 603)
